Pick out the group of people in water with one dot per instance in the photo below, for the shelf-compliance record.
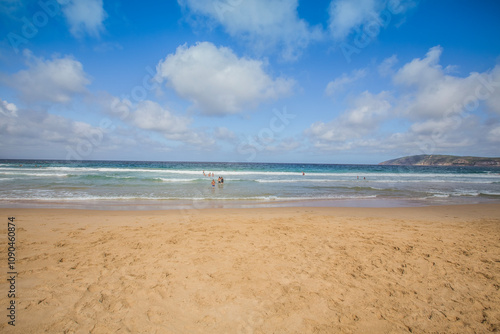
(220, 180)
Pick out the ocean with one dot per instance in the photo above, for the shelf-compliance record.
(165, 185)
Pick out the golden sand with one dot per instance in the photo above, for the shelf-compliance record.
(268, 270)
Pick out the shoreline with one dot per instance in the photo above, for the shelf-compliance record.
(468, 211)
(148, 204)
(463, 212)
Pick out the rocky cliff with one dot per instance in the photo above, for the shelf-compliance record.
(442, 160)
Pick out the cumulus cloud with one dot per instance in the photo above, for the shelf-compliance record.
(440, 112)
(338, 85)
(36, 133)
(217, 81)
(149, 115)
(444, 108)
(446, 135)
(8, 109)
(264, 24)
(33, 132)
(347, 16)
(54, 80)
(113, 106)
(432, 93)
(420, 72)
(494, 134)
(491, 84)
(362, 118)
(39, 134)
(84, 16)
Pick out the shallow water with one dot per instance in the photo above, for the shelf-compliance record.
(179, 184)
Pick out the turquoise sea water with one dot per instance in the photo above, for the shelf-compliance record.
(170, 184)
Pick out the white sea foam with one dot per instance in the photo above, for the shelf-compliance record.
(490, 193)
(177, 180)
(296, 180)
(21, 173)
(371, 176)
(145, 198)
(441, 195)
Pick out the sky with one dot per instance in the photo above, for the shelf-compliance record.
(326, 81)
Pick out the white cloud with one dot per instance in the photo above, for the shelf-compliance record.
(386, 67)
(41, 131)
(494, 134)
(39, 134)
(264, 24)
(441, 113)
(113, 105)
(444, 107)
(421, 72)
(55, 80)
(445, 136)
(26, 133)
(363, 118)
(84, 16)
(491, 87)
(8, 109)
(223, 133)
(432, 93)
(150, 115)
(339, 83)
(217, 81)
(347, 16)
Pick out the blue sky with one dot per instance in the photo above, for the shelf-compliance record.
(337, 81)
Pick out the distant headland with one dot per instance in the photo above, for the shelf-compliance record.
(442, 160)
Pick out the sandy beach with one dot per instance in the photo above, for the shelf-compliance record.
(268, 270)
